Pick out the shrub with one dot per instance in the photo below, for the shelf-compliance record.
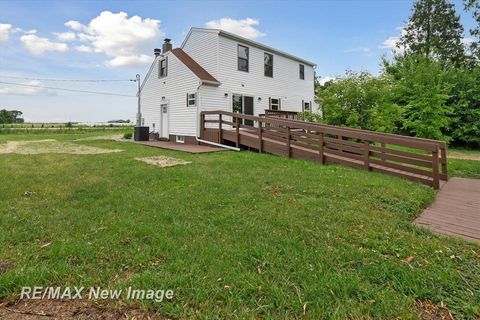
(127, 135)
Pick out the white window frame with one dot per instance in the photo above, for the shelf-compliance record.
(180, 139)
(190, 99)
(160, 68)
(279, 104)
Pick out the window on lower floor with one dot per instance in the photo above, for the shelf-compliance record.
(274, 104)
(191, 99)
(306, 106)
(180, 139)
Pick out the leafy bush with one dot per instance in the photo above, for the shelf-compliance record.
(127, 135)
(360, 101)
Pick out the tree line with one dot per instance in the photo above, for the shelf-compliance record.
(429, 89)
(10, 116)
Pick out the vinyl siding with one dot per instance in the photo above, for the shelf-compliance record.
(203, 48)
(174, 87)
(285, 83)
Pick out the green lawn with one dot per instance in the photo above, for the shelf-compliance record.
(232, 234)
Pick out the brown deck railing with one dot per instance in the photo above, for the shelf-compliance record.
(289, 115)
(416, 159)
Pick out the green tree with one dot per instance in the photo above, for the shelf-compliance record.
(422, 91)
(434, 31)
(465, 101)
(10, 116)
(360, 101)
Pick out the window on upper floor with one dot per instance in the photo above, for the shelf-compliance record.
(268, 65)
(191, 99)
(274, 104)
(301, 69)
(162, 66)
(242, 53)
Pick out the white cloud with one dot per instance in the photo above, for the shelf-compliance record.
(37, 45)
(25, 90)
(323, 80)
(132, 60)
(244, 27)
(467, 41)
(5, 30)
(392, 42)
(366, 51)
(83, 48)
(75, 25)
(65, 36)
(125, 40)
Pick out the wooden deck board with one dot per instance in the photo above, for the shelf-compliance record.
(456, 210)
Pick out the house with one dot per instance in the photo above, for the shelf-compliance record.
(217, 70)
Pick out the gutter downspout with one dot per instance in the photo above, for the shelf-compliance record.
(197, 122)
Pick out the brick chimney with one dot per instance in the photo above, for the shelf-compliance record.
(167, 46)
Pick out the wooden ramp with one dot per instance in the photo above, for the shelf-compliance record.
(421, 160)
(455, 211)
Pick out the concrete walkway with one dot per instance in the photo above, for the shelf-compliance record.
(190, 148)
(455, 211)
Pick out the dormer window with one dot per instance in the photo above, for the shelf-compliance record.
(242, 53)
(162, 72)
(268, 65)
(301, 69)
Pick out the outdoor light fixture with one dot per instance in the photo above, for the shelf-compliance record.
(163, 98)
(226, 95)
(259, 99)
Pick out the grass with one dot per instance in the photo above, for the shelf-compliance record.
(235, 235)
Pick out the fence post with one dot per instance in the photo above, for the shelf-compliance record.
(436, 178)
(320, 148)
(202, 125)
(260, 137)
(237, 129)
(220, 133)
(288, 141)
(443, 153)
(367, 155)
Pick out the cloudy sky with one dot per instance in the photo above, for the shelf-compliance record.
(42, 41)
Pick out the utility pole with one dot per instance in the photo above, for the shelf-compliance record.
(139, 113)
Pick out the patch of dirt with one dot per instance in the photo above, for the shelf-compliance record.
(462, 156)
(50, 146)
(115, 137)
(70, 309)
(4, 267)
(163, 161)
(429, 311)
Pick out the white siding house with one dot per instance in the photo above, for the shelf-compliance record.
(216, 70)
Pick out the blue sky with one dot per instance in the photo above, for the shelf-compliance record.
(36, 43)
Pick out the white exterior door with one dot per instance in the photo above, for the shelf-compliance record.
(164, 120)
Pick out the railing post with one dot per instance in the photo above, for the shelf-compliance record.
(382, 154)
(366, 161)
(288, 142)
(436, 178)
(220, 133)
(237, 129)
(260, 137)
(320, 148)
(443, 154)
(202, 125)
